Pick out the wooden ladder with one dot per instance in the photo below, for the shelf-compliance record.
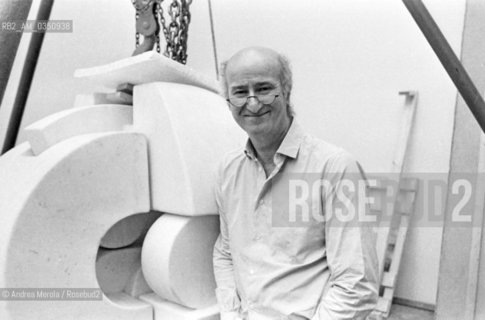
(396, 227)
(394, 203)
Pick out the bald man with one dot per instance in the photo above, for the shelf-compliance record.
(269, 261)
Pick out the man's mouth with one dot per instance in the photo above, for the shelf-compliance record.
(256, 115)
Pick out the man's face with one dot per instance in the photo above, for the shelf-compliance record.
(252, 74)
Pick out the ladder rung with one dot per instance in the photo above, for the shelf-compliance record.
(388, 280)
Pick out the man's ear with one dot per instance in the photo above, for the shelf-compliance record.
(287, 97)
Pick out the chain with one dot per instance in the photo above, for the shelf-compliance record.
(137, 15)
(157, 41)
(175, 32)
(142, 6)
(161, 19)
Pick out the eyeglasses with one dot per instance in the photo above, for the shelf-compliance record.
(239, 102)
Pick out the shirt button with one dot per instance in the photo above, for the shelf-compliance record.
(261, 202)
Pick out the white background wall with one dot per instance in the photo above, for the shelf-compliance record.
(350, 60)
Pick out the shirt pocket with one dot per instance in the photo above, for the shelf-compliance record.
(295, 245)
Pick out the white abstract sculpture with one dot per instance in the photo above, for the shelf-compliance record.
(73, 122)
(55, 208)
(188, 131)
(177, 259)
(88, 170)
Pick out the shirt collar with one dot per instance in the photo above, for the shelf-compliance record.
(289, 146)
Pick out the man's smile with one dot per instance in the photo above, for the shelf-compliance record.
(256, 115)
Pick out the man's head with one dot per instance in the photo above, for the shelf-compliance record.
(258, 74)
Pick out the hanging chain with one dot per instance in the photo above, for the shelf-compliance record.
(175, 32)
(137, 35)
(140, 7)
(137, 16)
(184, 31)
(157, 42)
(161, 19)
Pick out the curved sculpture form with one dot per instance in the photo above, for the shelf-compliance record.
(55, 214)
(128, 231)
(73, 122)
(145, 68)
(86, 172)
(188, 130)
(177, 259)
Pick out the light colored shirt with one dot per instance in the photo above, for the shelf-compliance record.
(271, 263)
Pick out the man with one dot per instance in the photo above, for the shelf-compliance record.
(323, 269)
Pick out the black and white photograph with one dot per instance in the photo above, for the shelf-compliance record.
(242, 159)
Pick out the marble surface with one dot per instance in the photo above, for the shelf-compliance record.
(145, 68)
(177, 259)
(88, 176)
(188, 130)
(115, 268)
(76, 121)
(125, 232)
(59, 206)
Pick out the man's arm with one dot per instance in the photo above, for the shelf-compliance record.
(226, 291)
(350, 243)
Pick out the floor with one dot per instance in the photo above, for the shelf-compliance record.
(399, 312)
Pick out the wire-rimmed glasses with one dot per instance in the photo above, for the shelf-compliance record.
(239, 102)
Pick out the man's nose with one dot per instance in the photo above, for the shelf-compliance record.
(253, 104)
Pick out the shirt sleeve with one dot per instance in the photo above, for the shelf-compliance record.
(352, 291)
(226, 292)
